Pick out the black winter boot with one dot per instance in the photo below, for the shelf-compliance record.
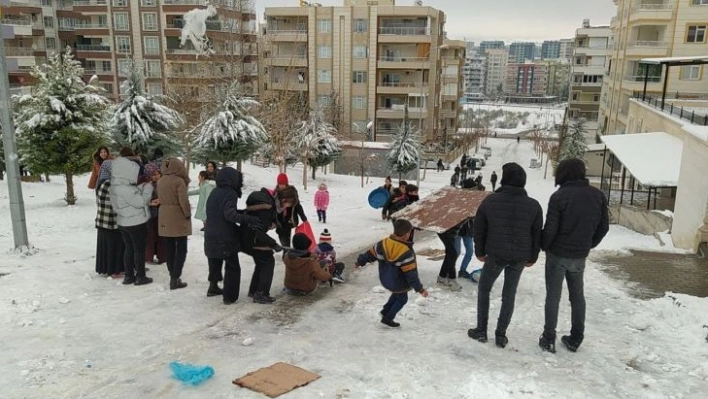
(143, 280)
(501, 341)
(477, 334)
(547, 344)
(572, 343)
(259, 297)
(389, 322)
(214, 290)
(176, 284)
(127, 280)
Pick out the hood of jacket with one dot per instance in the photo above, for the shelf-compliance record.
(230, 177)
(174, 167)
(298, 257)
(325, 247)
(513, 175)
(124, 172)
(261, 197)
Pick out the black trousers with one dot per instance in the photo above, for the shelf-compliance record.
(263, 272)
(285, 235)
(176, 248)
(322, 216)
(134, 239)
(448, 269)
(232, 275)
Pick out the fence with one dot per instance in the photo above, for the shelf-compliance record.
(697, 116)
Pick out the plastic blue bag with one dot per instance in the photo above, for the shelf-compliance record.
(190, 374)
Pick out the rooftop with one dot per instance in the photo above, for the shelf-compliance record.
(654, 159)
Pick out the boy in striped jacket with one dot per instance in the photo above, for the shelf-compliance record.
(398, 270)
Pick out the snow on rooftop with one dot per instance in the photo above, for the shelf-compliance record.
(596, 147)
(699, 132)
(374, 145)
(654, 159)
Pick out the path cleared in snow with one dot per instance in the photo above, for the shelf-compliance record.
(68, 333)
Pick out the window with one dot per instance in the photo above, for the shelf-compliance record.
(108, 87)
(106, 66)
(699, 2)
(324, 76)
(48, 22)
(153, 69)
(120, 3)
(149, 21)
(123, 44)
(696, 34)
(324, 51)
(691, 72)
(324, 101)
(361, 25)
(103, 21)
(148, 3)
(359, 77)
(120, 21)
(359, 102)
(154, 89)
(324, 25)
(575, 96)
(360, 51)
(46, 3)
(51, 43)
(595, 98)
(122, 66)
(151, 45)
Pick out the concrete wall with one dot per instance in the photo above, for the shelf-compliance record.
(691, 216)
(644, 118)
(593, 162)
(640, 220)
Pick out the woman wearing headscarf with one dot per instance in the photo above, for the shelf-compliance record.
(109, 242)
(102, 154)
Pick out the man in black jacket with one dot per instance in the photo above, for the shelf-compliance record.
(222, 235)
(577, 221)
(507, 237)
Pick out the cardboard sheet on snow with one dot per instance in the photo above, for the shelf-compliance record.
(443, 209)
(276, 380)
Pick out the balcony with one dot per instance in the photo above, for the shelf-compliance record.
(79, 4)
(93, 47)
(654, 10)
(401, 87)
(92, 29)
(646, 48)
(404, 62)
(19, 52)
(404, 34)
(636, 82)
(397, 111)
(17, 21)
(293, 60)
(98, 72)
(288, 85)
(183, 2)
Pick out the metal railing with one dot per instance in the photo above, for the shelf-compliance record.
(17, 21)
(102, 3)
(93, 47)
(403, 84)
(403, 59)
(404, 30)
(697, 116)
(286, 31)
(640, 78)
(648, 43)
(91, 26)
(66, 28)
(652, 6)
(98, 72)
(19, 51)
(33, 3)
(184, 2)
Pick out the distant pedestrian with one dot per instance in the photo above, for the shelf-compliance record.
(493, 180)
(577, 221)
(455, 179)
(322, 203)
(441, 165)
(518, 139)
(507, 238)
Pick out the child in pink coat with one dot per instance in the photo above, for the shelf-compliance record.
(322, 202)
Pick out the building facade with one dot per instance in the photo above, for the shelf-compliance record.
(526, 80)
(452, 88)
(590, 61)
(496, 61)
(520, 52)
(105, 34)
(652, 28)
(490, 45)
(475, 75)
(376, 59)
(551, 49)
(566, 49)
(558, 78)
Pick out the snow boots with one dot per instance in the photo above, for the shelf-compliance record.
(477, 334)
(214, 290)
(572, 343)
(176, 284)
(141, 280)
(389, 322)
(547, 344)
(463, 274)
(261, 298)
(501, 341)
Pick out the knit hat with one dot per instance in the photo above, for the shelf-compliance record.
(282, 179)
(151, 169)
(301, 242)
(513, 175)
(325, 236)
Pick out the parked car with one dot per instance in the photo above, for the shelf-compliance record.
(486, 151)
(481, 161)
(433, 164)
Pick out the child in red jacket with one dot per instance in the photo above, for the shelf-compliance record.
(321, 203)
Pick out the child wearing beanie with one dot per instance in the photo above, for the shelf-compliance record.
(328, 257)
(322, 203)
(302, 269)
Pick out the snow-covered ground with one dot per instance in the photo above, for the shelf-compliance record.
(68, 333)
(543, 116)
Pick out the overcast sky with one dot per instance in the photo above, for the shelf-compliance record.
(476, 20)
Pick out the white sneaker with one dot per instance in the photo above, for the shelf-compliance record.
(454, 285)
(444, 281)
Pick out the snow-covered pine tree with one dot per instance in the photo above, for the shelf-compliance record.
(232, 133)
(575, 144)
(315, 143)
(405, 148)
(62, 122)
(140, 121)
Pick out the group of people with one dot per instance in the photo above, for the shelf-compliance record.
(509, 234)
(143, 212)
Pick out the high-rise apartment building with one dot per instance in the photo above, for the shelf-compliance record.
(489, 45)
(520, 52)
(645, 29)
(496, 70)
(452, 88)
(566, 49)
(376, 59)
(590, 61)
(470, 48)
(475, 74)
(551, 50)
(558, 80)
(105, 34)
(526, 80)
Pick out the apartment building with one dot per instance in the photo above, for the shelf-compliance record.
(490, 45)
(566, 49)
(558, 79)
(452, 89)
(652, 28)
(520, 52)
(526, 80)
(475, 75)
(551, 49)
(105, 34)
(590, 61)
(496, 61)
(376, 59)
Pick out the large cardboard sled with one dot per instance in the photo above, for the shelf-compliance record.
(276, 380)
(443, 209)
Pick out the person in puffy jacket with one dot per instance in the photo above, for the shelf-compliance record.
(131, 203)
(302, 269)
(223, 234)
(260, 246)
(206, 185)
(398, 270)
(322, 203)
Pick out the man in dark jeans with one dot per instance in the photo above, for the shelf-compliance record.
(507, 237)
(576, 222)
